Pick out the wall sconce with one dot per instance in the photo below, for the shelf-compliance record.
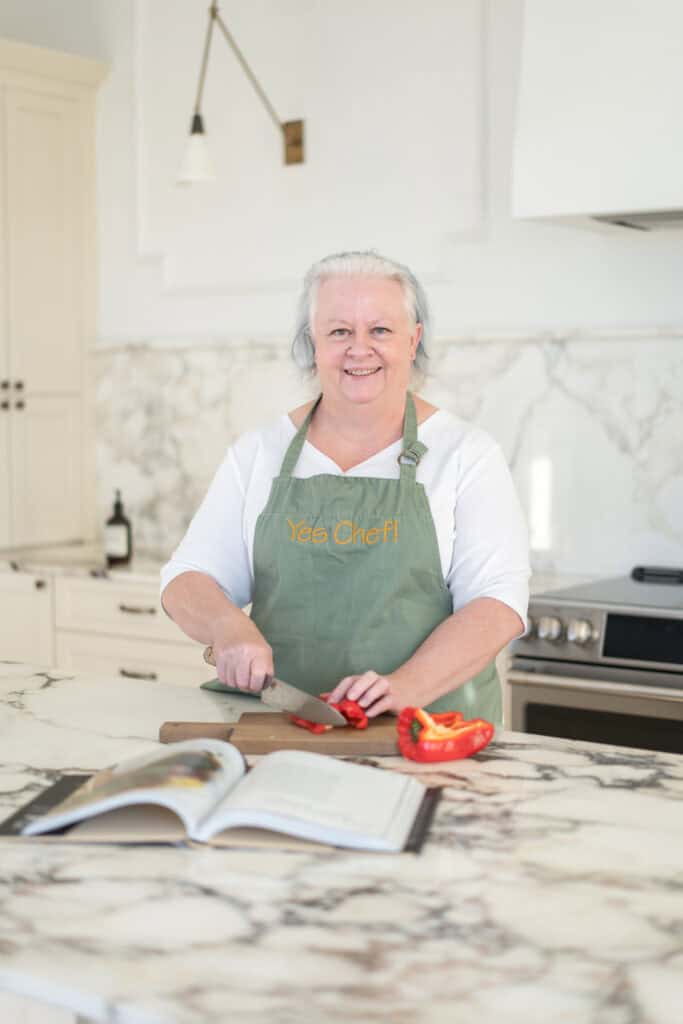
(196, 164)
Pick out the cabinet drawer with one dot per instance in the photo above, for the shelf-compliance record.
(107, 606)
(146, 660)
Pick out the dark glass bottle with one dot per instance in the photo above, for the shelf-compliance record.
(118, 536)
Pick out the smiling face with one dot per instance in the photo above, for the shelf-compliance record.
(365, 340)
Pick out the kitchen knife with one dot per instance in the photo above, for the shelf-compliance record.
(285, 697)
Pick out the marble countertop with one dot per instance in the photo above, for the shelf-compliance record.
(550, 889)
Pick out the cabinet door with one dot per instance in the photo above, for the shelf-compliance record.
(26, 626)
(45, 239)
(5, 479)
(46, 500)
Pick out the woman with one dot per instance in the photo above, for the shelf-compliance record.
(378, 538)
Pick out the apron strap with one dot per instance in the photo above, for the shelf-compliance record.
(408, 460)
(296, 444)
(412, 450)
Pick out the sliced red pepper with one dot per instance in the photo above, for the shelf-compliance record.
(353, 713)
(311, 726)
(350, 709)
(440, 737)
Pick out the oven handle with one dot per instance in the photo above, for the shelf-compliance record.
(594, 686)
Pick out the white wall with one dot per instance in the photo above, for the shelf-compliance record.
(409, 113)
(409, 122)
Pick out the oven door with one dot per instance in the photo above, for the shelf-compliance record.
(625, 714)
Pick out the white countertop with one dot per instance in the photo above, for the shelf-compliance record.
(81, 560)
(549, 889)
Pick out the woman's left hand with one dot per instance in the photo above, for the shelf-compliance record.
(375, 693)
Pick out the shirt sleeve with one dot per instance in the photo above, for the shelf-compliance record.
(215, 540)
(490, 547)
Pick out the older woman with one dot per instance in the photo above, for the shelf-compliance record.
(378, 539)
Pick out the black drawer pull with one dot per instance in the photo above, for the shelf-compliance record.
(130, 609)
(137, 675)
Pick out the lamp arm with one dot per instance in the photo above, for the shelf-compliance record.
(249, 73)
(205, 62)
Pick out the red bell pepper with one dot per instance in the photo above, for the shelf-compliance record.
(353, 713)
(440, 737)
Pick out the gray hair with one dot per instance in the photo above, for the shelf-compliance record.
(366, 263)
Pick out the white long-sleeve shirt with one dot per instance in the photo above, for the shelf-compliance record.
(480, 527)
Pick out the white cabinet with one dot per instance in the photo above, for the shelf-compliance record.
(119, 628)
(26, 618)
(598, 127)
(131, 658)
(101, 625)
(47, 294)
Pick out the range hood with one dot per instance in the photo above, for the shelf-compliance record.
(599, 133)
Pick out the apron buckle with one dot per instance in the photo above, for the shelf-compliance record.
(411, 455)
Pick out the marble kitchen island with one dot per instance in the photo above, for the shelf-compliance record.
(550, 889)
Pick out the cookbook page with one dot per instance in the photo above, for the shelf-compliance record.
(188, 778)
(320, 797)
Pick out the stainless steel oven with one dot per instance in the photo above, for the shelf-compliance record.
(604, 662)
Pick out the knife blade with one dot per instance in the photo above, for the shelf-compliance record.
(285, 697)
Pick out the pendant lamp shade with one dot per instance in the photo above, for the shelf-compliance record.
(196, 165)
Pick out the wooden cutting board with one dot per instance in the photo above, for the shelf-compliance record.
(261, 733)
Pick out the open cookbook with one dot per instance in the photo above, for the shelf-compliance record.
(201, 790)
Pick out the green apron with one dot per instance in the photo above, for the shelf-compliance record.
(348, 577)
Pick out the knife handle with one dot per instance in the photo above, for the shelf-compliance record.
(210, 660)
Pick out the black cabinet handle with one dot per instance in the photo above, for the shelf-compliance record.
(40, 584)
(137, 675)
(4, 384)
(4, 405)
(19, 405)
(130, 609)
(19, 385)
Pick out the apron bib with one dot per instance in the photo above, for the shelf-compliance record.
(348, 577)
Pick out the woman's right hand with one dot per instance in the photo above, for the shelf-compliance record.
(245, 664)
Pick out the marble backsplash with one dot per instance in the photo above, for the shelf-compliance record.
(591, 424)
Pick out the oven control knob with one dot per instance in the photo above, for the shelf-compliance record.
(549, 628)
(580, 631)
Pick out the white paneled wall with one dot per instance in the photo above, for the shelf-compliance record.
(409, 113)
